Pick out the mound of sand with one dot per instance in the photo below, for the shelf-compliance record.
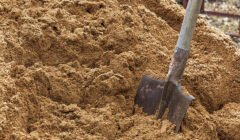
(70, 69)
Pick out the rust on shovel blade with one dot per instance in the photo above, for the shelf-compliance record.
(150, 94)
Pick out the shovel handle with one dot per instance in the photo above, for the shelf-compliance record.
(189, 23)
(180, 56)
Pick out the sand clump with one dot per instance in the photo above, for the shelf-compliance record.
(227, 120)
(70, 69)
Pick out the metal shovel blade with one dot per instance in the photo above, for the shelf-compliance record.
(152, 92)
(149, 94)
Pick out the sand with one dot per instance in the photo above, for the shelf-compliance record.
(70, 69)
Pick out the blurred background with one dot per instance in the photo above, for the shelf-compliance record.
(223, 14)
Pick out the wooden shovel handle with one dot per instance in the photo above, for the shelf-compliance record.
(189, 23)
(180, 56)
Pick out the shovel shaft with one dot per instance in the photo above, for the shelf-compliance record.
(180, 56)
(189, 23)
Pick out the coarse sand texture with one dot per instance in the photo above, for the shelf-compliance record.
(69, 69)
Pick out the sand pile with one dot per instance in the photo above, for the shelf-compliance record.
(70, 69)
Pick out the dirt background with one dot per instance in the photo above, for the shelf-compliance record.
(70, 69)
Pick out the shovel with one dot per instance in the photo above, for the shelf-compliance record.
(155, 96)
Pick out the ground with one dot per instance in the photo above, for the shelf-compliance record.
(70, 70)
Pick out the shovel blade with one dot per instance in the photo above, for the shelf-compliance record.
(149, 94)
(152, 92)
(178, 106)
